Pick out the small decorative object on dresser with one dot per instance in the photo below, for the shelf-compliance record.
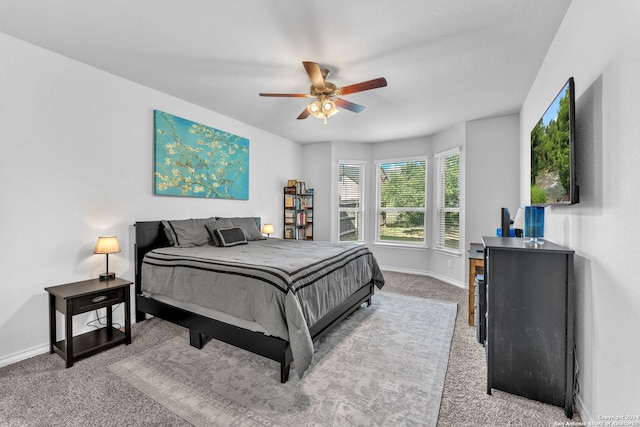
(534, 224)
(81, 297)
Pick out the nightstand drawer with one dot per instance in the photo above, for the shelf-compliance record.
(98, 300)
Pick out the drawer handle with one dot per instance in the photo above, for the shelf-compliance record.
(99, 299)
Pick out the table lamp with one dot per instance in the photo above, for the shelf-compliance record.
(107, 245)
(267, 229)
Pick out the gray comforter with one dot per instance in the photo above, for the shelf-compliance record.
(283, 285)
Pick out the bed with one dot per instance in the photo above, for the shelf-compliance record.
(272, 297)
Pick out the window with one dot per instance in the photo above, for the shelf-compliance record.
(402, 201)
(350, 190)
(448, 202)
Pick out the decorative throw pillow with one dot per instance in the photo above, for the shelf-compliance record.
(185, 233)
(230, 236)
(249, 225)
(171, 235)
(216, 225)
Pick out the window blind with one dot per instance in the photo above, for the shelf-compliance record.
(350, 191)
(402, 201)
(448, 164)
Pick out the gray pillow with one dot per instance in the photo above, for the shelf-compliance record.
(185, 233)
(216, 225)
(249, 226)
(230, 236)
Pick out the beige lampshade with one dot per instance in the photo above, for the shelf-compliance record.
(267, 229)
(107, 245)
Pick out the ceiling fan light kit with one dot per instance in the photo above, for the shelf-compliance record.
(323, 109)
(327, 95)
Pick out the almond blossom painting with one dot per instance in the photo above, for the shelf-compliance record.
(195, 160)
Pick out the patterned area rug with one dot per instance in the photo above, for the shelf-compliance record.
(384, 365)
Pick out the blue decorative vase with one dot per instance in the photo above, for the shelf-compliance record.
(534, 223)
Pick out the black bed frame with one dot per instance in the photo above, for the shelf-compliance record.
(150, 235)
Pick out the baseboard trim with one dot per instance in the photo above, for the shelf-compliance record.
(23, 355)
(582, 411)
(428, 274)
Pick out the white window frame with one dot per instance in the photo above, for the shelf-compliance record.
(424, 210)
(359, 212)
(441, 209)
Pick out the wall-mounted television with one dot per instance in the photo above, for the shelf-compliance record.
(553, 152)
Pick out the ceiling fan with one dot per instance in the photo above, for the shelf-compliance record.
(327, 95)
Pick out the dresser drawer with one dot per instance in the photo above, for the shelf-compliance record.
(98, 300)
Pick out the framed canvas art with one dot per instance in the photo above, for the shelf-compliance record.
(195, 160)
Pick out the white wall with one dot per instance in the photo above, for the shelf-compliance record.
(493, 150)
(492, 153)
(77, 162)
(317, 171)
(598, 44)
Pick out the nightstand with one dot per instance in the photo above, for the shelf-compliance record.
(80, 297)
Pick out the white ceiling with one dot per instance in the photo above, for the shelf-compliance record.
(445, 61)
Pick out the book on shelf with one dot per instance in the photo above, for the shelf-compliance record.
(298, 187)
(289, 202)
(301, 234)
(302, 218)
(289, 218)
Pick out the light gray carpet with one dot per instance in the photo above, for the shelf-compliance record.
(465, 401)
(382, 366)
(40, 392)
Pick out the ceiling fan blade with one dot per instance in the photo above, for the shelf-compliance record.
(313, 70)
(360, 87)
(348, 105)
(286, 95)
(305, 113)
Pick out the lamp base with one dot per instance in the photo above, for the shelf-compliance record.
(108, 276)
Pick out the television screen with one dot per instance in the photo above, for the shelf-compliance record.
(553, 175)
